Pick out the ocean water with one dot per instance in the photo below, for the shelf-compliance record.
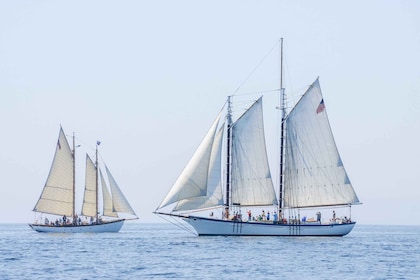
(164, 251)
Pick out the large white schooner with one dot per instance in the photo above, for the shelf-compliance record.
(229, 175)
(57, 203)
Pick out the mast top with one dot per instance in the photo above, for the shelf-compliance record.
(281, 64)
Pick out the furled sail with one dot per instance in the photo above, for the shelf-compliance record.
(214, 195)
(251, 177)
(107, 200)
(193, 181)
(314, 173)
(89, 200)
(57, 195)
(119, 202)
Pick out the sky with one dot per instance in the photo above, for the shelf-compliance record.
(147, 78)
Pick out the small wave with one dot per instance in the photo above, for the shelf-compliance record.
(11, 259)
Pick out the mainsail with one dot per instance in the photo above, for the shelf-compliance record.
(314, 173)
(57, 195)
(251, 178)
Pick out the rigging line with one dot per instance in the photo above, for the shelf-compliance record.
(177, 223)
(255, 68)
(259, 92)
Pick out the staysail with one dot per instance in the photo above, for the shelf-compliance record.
(251, 178)
(314, 173)
(89, 200)
(107, 200)
(119, 202)
(193, 181)
(57, 195)
(214, 195)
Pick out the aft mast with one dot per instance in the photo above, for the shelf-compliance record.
(74, 177)
(282, 101)
(97, 182)
(228, 156)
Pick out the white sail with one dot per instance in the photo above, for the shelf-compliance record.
(57, 195)
(314, 173)
(214, 194)
(89, 200)
(108, 209)
(251, 177)
(194, 178)
(119, 202)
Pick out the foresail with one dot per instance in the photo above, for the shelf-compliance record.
(194, 178)
(314, 173)
(214, 194)
(251, 177)
(107, 201)
(57, 195)
(89, 200)
(119, 202)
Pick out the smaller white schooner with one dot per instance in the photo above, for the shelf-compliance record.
(58, 198)
(229, 175)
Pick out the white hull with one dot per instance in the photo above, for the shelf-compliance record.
(205, 226)
(114, 226)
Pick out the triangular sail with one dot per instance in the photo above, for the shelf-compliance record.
(107, 200)
(57, 195)
(89, 207)
(251, 177)
(119, 202)
(214, 194)
(194, 178)
(314, 173)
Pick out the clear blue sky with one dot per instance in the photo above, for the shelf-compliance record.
(147, 78)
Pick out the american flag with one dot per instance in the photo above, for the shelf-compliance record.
(321, 107)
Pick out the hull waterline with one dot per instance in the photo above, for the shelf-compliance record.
(205, 226)
(114, 226)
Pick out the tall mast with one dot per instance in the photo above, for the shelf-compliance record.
(97, 182)
(282, 126)
(74, 177)
(228, 156)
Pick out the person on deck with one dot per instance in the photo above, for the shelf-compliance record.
(275, 216)
(318, 217)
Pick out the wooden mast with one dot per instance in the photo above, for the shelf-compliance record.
(74, 178)
(228, 156)
(97, 182)
(282, 127)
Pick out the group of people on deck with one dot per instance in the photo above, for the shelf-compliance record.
(263, 217)
(65, 221)
(334, 218)
(266, 217)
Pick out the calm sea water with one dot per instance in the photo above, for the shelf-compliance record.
(163, 251)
